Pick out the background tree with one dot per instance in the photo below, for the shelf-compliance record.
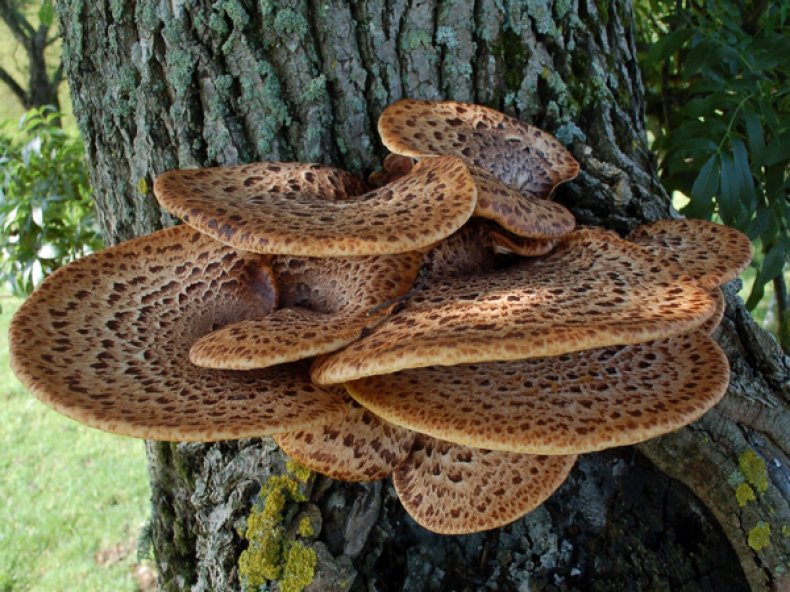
(157, 86)
(42, 86)
(718, 103)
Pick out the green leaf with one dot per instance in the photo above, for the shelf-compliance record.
(728, 190)
(744, 182)
(778, 150)
(774, 182)
(707, 181)
(697, 57)
(669, 44)
(760, 224)
(46, 13)
(772, 266)
(754, 131)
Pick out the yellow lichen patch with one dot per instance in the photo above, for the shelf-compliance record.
(142, 186)
(744, 494)
(263, 558)
(753, 468)
(760, 536)
(305, 528)
(786, 530)
(301, 472)
(299, 569)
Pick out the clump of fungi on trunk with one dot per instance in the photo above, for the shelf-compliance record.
(443, 323)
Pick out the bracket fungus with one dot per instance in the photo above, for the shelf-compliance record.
(591, 291)
(317, 211)
(568, 404)
(105, 341)
(711, 253)
(324, 305)
(519, 155)
(452, 489)
(360, 447)
(377, 332)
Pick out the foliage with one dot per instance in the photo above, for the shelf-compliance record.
(46, 209)
(717, 76)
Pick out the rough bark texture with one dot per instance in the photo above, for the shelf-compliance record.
(159, 85)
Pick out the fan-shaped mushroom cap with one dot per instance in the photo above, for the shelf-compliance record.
(468, 251)
(525, 216)
(594, 290)
(714, 321)
(524, 157)
(105, 341)
(711, 253)
(325, 305)
(394, 167)
(524, 247)
(453, 489)
(568, 404)
(360, 447)
(312, 210)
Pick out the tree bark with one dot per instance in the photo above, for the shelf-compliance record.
(160, 85)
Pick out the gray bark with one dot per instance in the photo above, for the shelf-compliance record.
(160, 85)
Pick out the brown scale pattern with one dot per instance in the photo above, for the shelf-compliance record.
(524, 216)
(594, 290)
(568, 404)
(714, 321)
(466, 252)
(524, 247)
(453, 489)
(711, 253)
(520, 214)
(394, 167)
(105, 341)
(311, 210)
(520, 155)
(360, 447)
(325, 304)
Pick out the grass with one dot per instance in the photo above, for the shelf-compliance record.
(74, 499)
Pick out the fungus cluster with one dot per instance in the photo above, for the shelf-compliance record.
(443, 323)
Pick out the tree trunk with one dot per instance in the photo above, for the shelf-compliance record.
(160, 85)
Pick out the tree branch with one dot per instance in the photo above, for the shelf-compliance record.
(16, 22)
(57, 77)
(13, 85)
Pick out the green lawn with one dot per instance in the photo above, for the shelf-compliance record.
(73, 499)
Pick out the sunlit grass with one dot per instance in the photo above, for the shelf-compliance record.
(74, 499)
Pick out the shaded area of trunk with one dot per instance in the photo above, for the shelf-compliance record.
(198, 85)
